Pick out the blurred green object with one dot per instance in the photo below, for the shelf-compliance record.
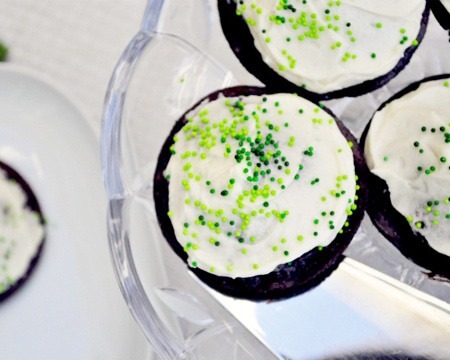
(3, 52)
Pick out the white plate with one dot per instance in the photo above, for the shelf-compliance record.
(70, 307)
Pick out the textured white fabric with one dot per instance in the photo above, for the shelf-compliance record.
(74, 43)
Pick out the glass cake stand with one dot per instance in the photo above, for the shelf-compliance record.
(375, 304)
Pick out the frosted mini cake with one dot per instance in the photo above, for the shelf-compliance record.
(257, 192)
(325, 49)
(22, 231)
(407, 148)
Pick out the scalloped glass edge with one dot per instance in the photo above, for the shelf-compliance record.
(156, 331)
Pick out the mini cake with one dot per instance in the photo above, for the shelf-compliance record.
(21, 231)
(256, 192)
(407, 148)
(324, 49)
(441, 11)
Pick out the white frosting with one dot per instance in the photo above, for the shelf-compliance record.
(329, 45)
(21, 233)
(401, 148)
(275, 222)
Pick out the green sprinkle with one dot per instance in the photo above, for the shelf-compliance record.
(3, 52)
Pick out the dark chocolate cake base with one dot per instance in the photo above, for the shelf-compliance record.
(440, 13)
(241, 41)
(286, 280)
(393, 225)
(33, 204)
